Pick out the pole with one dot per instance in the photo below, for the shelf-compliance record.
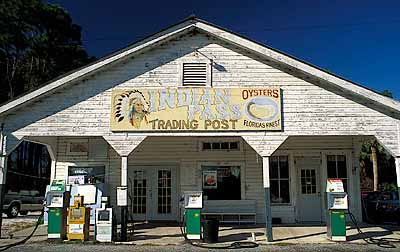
(3, 172)
(398, 174)
(124, 209)
(267, 199)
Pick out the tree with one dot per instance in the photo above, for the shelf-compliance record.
(376, 153)
(38, 42)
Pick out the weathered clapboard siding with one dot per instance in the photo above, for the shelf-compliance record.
(184, 153)
(307, 109)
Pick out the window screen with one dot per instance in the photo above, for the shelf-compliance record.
(221, 182)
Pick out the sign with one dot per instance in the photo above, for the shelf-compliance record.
(57, 185)
(201, 109)
(334, 185)
(210, 179)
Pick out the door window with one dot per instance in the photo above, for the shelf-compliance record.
(164, 189)
(139, 189)
(308, 181)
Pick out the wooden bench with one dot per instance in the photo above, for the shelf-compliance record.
(230, 211)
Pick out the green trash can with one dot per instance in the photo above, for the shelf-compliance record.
(210, 230)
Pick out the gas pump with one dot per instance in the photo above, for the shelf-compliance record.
(193, 204)
(57, 201)
(78, 220)
(337, 203)
(104, 222)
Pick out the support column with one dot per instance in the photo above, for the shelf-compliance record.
(398, 174)
(3, 173)
(124, 209)
(267, 199)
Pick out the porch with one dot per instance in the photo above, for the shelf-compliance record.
(163, 234)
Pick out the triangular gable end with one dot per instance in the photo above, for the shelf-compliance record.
(295, 66)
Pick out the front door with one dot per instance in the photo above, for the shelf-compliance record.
(309, 192)
(152, 193)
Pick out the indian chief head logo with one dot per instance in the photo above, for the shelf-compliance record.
(133, 106)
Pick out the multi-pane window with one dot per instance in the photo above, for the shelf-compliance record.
(221, 182)
(337, 168)
(220, 146)
(279, 179)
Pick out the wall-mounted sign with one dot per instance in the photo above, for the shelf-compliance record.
(206, 109)
(334, 185)
(210, 180)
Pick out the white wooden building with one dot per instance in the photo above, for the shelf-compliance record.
(323, 121)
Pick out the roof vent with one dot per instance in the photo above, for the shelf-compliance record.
(194, 74)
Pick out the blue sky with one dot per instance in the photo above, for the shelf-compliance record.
(358, 40)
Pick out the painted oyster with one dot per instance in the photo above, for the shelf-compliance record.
(261, 109)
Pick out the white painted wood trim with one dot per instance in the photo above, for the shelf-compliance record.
(398, 171)
(124, 171)
(266, 181)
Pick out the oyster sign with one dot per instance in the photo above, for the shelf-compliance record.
(201, 109)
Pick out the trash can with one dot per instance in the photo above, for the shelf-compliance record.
(210, 230)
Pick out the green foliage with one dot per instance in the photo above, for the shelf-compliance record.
(38, 42)
(387, 93)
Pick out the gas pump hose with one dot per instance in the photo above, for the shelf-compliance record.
(381, 242)
(234, 245)
(5, 247)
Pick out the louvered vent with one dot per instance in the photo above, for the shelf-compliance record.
(194, 74)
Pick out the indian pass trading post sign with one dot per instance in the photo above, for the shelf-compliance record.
(202, 109)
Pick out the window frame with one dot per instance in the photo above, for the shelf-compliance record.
(70, 142)
(89, 164)
(279, 179)
(241, 166)
(348, 160)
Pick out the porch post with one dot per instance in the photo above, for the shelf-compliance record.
(398, 174)
(267, 199)
(3, 173)
(124, 209)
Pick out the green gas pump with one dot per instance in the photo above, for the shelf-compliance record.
(193, 206)
(337, 204)
(57, 201)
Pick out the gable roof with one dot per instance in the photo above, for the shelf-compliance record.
(192, 23)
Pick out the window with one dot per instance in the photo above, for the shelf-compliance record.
(337, 168)
(220, 146)
(78, 147)
(86, 175)
(221, 182)
(279, 179)
(194, 74)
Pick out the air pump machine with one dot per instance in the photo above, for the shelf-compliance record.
(337, 205)
(57, 201)
(193, 205)
(104, 222)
